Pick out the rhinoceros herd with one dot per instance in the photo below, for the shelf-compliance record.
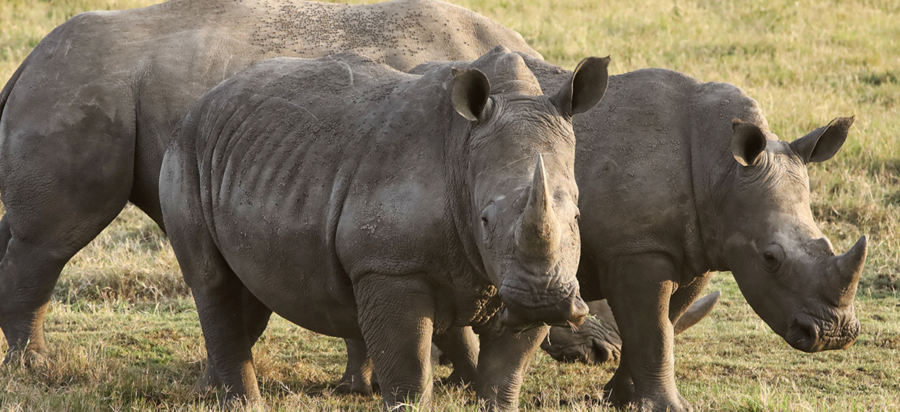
(394, 174)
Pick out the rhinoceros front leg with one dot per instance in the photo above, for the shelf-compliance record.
(639, 288)
(396, 317)
(502, 363)
(458, 345)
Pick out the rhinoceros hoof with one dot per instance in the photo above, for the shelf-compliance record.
(619, 391)
(661, 404)
(458, 379)
(210, 379)
(356, 385)
(27, 358)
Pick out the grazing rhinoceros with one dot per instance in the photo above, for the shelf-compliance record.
(679, 179)
(598, 341)
(367, 203)
(85, 119)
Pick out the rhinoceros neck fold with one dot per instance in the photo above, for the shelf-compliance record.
(712, 164)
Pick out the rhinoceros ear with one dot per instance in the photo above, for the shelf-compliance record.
(748, 142)
(821, 144)
(586, 87)
(470, 94)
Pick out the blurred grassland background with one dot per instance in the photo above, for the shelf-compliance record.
(124, 334)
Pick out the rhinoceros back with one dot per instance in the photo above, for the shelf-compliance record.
(275, 152)
(642, 153)
(130, 75)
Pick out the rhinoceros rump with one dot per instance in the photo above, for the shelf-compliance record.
(673, 187)
(366, 203)
(85, 119)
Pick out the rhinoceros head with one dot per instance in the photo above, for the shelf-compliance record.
(785, 267)
(520, 173)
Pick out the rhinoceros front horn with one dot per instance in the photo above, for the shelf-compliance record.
(848, 271)
(537, 234)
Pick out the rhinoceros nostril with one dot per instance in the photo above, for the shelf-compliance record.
(578, 311)
(803, 335)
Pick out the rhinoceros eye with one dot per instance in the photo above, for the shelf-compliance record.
(486, 216)
(773, 256)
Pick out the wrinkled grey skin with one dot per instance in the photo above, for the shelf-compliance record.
(673, 189)
(598, 340)
(366, 203)
(85, 119)
(679, 179)
(595, 341)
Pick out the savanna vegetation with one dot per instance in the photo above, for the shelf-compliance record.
(124, 335)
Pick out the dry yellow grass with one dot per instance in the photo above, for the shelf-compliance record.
(124, 335)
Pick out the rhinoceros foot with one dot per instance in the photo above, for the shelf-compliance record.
(592, 343)
(648, 404)
(459, 379)
(356, 384)
(620, 392)
(27, 358)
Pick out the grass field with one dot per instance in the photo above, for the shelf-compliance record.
(124, 334)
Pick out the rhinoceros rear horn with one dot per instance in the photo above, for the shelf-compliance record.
(537, 231)
(748, 142)
(849, 270)
(821, 144)
(585, 88)
(471, 93)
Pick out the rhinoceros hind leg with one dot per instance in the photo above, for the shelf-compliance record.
(38, 247)
(357, 376)
(228, 347)
(460, 347)
(61, 189)
(256, 317)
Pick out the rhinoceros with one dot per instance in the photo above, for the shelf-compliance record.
(680, 179)
(362, 202)
(85, 119)
(598, 341)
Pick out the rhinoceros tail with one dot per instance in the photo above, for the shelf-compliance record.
(4, 94)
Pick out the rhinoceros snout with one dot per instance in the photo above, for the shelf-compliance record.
(568, 312)
(813, 335)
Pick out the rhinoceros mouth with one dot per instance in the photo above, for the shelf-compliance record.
(519, 312)
(811, 334)
(536, 298)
